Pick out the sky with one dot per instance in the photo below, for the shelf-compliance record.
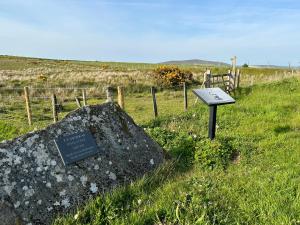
(256, 31)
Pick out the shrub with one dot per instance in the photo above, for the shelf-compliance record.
(213, 153)
(171, 76)
(191, 150)
(161, 136)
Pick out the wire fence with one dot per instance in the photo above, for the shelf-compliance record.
(139, 105)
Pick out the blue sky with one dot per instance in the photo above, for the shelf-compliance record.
(258, 32)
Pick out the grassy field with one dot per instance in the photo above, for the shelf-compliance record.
(17, 72)
(13, 117)
(250, 174)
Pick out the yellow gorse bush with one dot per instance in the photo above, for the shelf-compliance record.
(172, 75)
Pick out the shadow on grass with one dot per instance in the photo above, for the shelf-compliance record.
(282, 129)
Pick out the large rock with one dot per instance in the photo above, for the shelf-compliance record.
(35, 186)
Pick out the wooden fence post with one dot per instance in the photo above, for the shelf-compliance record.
(185, 97)
(233, 60)
(78, 103)
(109, 94)
(238, 79)
(121, 97)
(28, 106)
(232, 75)
(154, 101)
(235, 75)
(207, 78)
(54, 111)
(84, 97)
(229, 76)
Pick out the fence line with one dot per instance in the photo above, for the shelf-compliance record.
(80, 96)
(55, 105)
(29, 95)
(47, 88)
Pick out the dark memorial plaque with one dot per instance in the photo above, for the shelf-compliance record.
(75, 147)
(213, 97)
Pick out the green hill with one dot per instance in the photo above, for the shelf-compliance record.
(196, 62)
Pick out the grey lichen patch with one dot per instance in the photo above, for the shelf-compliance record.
(22, 150)
(112, 176)
(8, 189)
(53, 163)
(93, 188)
(17, 204)
(83, 180)
(28, 191)
(35, 184)
(62, 193)
(96, 119)
(151, 161)
(66, 203)
(70, 178)
(59, 178)
(88, 110)
(56, 203)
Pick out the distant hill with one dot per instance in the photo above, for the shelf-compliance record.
(195, 62)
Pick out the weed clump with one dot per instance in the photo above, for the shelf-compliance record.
(194, 150)
(213, 153)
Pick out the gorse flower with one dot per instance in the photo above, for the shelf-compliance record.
(172, 76)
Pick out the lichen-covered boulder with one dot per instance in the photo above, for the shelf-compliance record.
(35, 186)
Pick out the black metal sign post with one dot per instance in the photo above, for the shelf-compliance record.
(213, 97)
(212, 122)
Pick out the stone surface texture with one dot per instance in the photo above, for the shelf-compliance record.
(35, 186)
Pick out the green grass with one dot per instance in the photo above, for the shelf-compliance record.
(260, 184)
